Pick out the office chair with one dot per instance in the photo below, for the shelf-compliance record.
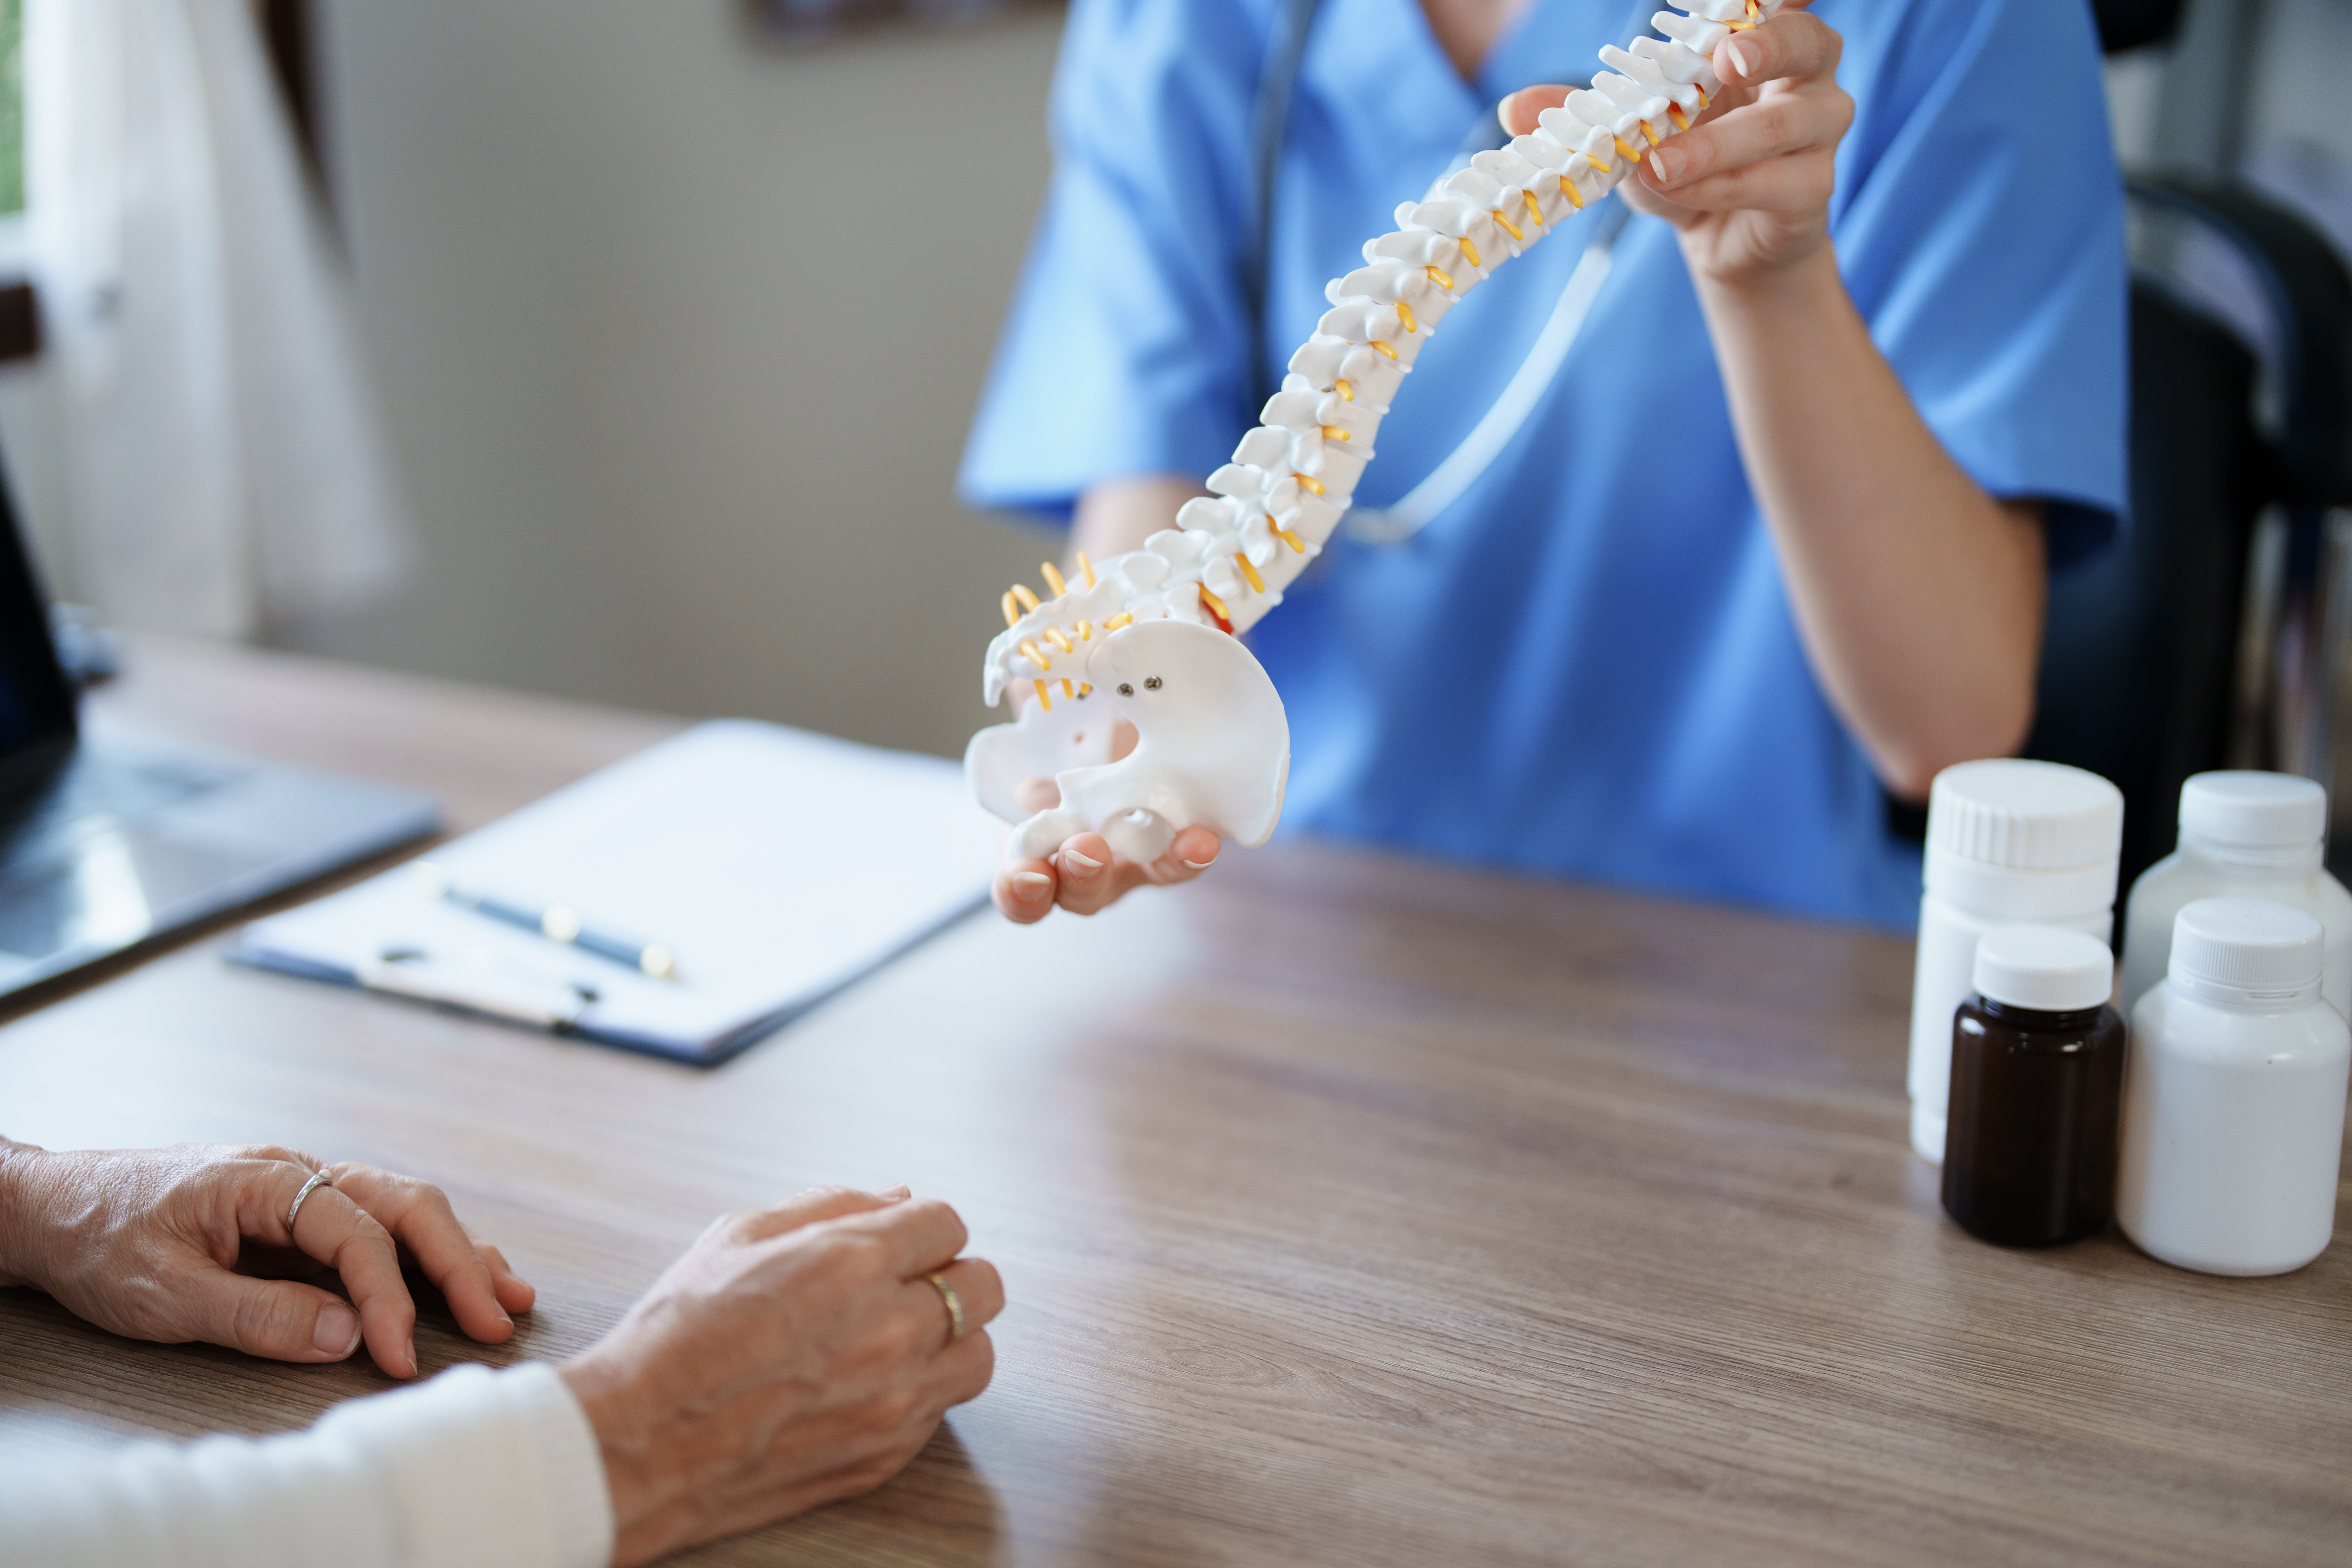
(2141, 653)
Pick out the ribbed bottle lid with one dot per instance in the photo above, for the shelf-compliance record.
(2047, 968)
(2256, 811)
(2036, 816)
(2250, 945)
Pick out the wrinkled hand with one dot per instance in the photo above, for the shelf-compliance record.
(170, 1244)
(793, 1356)
(1748, 185)
(1083, 876)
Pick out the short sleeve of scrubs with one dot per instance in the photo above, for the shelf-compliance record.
(1978, 223)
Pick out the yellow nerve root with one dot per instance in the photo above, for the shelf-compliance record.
(1508, 227)
(1533, 211)
(1085, 690)
(1381, 347)
(1036, 656)
(1438, 275)
(1343, 389)
(1650, 134)
(1625, 151)
(1308, 482)
(1216, 606)
(1675, 113)
(1085, 632)
(1404, 314)
(1054, 579)
(1333, 432)
(1058, 640)
(1284, 535)
(1569, 192)
(1470, 252)
(1020, 592)
(1088, 567)
(1011, 611)
(1249, 571)
(1043, 701)
(1068, 690)
(1121, 619)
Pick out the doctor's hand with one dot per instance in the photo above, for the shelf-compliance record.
(191, 1243)
(1748, 185)
(1083, 876)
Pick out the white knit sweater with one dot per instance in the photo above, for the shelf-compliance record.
(473, 1467)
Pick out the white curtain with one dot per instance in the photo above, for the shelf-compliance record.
(224, 470)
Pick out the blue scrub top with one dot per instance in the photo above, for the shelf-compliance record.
(1586, 666)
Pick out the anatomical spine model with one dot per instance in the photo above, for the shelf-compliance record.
(1155, 631)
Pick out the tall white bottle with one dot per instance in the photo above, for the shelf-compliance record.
(2233, 1095)
(2242, 835)
(2009, 843)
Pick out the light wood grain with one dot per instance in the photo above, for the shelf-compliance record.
(1353, 1211)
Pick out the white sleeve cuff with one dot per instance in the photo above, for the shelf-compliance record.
(486, 1468)
(572, 1485)
(474, 1470)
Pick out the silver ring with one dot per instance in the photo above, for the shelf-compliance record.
(318, 1179)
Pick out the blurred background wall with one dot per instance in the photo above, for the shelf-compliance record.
(677, 332)
(678, 335)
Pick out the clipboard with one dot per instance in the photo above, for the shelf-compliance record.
(779, 866)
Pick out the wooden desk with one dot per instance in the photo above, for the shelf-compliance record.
(1353, 1212)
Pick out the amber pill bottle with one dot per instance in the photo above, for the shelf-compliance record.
(2037, 1090)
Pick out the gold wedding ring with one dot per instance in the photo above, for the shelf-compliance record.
(318, 1179)
(954, 1305)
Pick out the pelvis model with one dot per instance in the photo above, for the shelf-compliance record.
(1152, 637)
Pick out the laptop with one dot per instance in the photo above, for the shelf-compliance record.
(109, 841)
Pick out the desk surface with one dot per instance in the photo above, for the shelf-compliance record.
(1353, 1211)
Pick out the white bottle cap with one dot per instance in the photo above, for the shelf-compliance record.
(2255, 811)
(2247, 951)
(2016, 840)
(2035, 816)
(2047, 968)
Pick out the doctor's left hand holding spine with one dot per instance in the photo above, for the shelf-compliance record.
(794, 1355)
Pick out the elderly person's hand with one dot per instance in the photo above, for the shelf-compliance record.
(1748, 185)
(168, 1245)
(792, 1356)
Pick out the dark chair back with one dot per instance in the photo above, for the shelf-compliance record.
(2128, 24)
(2142, 651)
(2140, 647)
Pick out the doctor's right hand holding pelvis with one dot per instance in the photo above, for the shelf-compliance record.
(1084, 876)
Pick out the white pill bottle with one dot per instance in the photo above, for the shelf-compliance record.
(2009, 843)
(2233, 1095)
(2242, 835)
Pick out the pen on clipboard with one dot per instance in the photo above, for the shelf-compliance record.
(556, 922)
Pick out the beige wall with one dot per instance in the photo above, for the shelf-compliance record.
(677, 337)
